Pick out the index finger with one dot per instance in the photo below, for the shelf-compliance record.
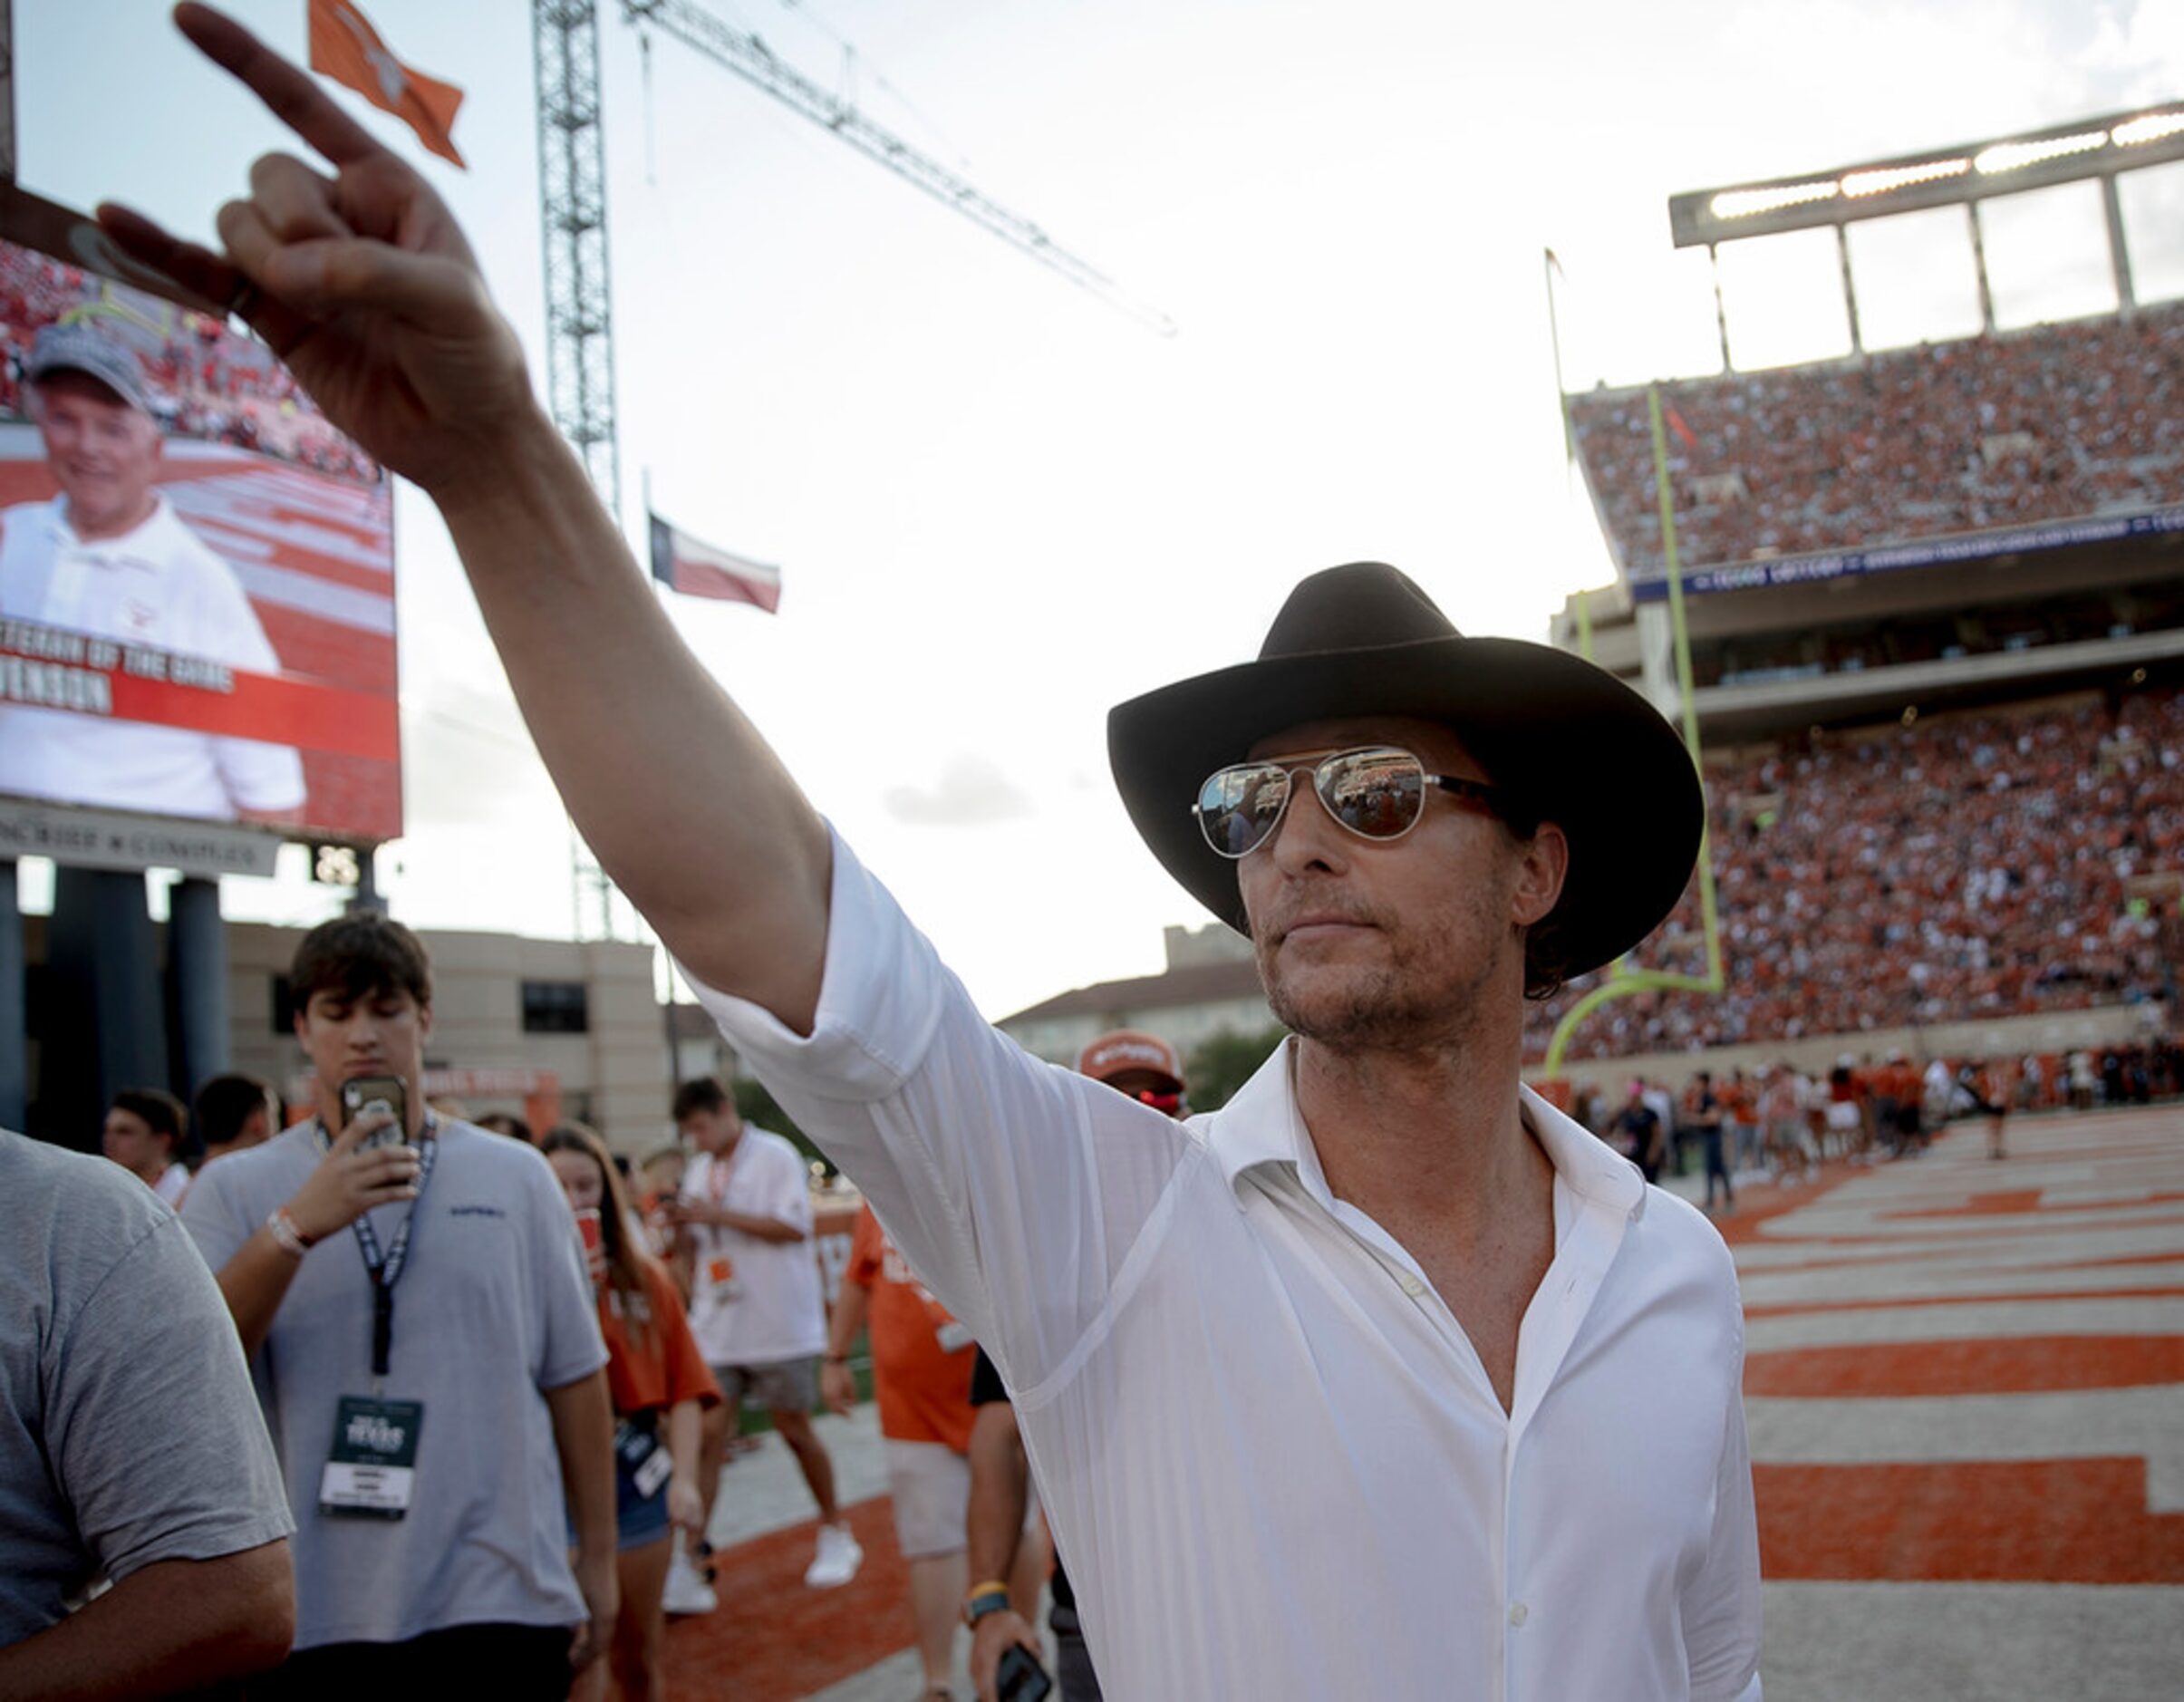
(287, 90)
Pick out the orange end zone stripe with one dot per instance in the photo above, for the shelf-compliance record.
(2049, 1522)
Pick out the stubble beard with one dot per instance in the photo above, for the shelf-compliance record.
(1378, 1009)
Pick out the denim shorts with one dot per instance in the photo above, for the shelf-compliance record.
(640, 1520)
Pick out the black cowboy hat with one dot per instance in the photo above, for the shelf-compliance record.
(1571, 743)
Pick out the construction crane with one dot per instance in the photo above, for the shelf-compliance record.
(749, 58)
(572, 196)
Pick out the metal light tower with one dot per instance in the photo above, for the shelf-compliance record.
(571, 204)
(580, 306)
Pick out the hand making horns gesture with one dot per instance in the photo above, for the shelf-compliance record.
(362, 282)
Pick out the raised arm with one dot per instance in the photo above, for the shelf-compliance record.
(364, 285)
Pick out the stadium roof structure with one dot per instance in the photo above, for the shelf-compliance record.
(1937, 176)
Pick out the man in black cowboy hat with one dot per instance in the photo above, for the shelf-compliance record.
(1328, 1393)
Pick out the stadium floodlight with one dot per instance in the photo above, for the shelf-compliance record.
(1943, 177)
(1883, 180)
(2153, 126)
(2015, 156)
(1743, 203)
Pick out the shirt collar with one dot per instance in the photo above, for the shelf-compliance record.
(140, 546)
(1262, 1125)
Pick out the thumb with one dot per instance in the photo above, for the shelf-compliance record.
(345, 1141)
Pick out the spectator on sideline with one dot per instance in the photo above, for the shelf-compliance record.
(508, 1123)
(921, 1378)
(1740, 1105)
(144, 1133)
(1783, 1106)
(659, 1184)
(1283, 1274)
(414, 1294)
(1703, 1115)
(1640, 1125)
(132, 1449)
(1663, 1106)
(745, 1222)
(233, 1113)
(1144, 1068)
(660, 1386)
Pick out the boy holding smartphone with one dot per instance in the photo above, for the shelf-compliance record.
(423, 1336)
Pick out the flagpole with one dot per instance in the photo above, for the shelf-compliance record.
(651, 572)
(1551, 266)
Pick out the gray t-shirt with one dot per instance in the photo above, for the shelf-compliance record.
(128, 1433)
(491, 1308)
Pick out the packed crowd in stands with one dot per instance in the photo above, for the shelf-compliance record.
(1984, 866)
(210, 385)
(2051, 423)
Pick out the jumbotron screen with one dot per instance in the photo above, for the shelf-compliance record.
(197, 572)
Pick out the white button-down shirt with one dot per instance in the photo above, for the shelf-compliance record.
(1273, 1461)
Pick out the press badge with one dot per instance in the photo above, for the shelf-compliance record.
(647, 1463)
(373, 1467)
(721, 1278)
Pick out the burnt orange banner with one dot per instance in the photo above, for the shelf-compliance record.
(345, 47)
(41, 668)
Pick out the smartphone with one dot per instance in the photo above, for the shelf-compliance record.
(1020, 1677)
(590, 1231)
(360, 1094)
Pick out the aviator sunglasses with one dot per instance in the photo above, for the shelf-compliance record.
(1377, 792)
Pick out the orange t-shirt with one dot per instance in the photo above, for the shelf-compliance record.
(659, 1367)
(923, 1384)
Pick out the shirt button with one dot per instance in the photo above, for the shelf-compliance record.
(1412, 1286)
(1518, 1613)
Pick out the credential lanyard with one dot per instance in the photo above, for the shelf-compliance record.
(385, 1268)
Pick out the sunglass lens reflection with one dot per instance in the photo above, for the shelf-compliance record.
(1374, 793)
(1239, 807)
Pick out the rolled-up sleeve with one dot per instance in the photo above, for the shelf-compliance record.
(1013, 1187)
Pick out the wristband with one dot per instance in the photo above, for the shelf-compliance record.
(292, 1240)
(991, 1596)
(838, 1358)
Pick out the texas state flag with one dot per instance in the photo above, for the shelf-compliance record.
(699, 570)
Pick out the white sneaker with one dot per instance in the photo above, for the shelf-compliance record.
(836, 1562)
(687, 1592)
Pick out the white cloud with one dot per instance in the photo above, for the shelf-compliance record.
(972, 792)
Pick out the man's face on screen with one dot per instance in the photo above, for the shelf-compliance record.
(103, 454)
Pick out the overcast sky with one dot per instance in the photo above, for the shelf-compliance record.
(1000, 507)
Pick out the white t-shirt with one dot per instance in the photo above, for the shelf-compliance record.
(492, 1310)
(172, 1184)
(161, 586)
(754, 1302)
(1276, 1464)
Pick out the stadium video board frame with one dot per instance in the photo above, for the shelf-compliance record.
(223, 675)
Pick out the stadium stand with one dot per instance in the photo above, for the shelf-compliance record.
(2051, 423)
(2006, 862)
